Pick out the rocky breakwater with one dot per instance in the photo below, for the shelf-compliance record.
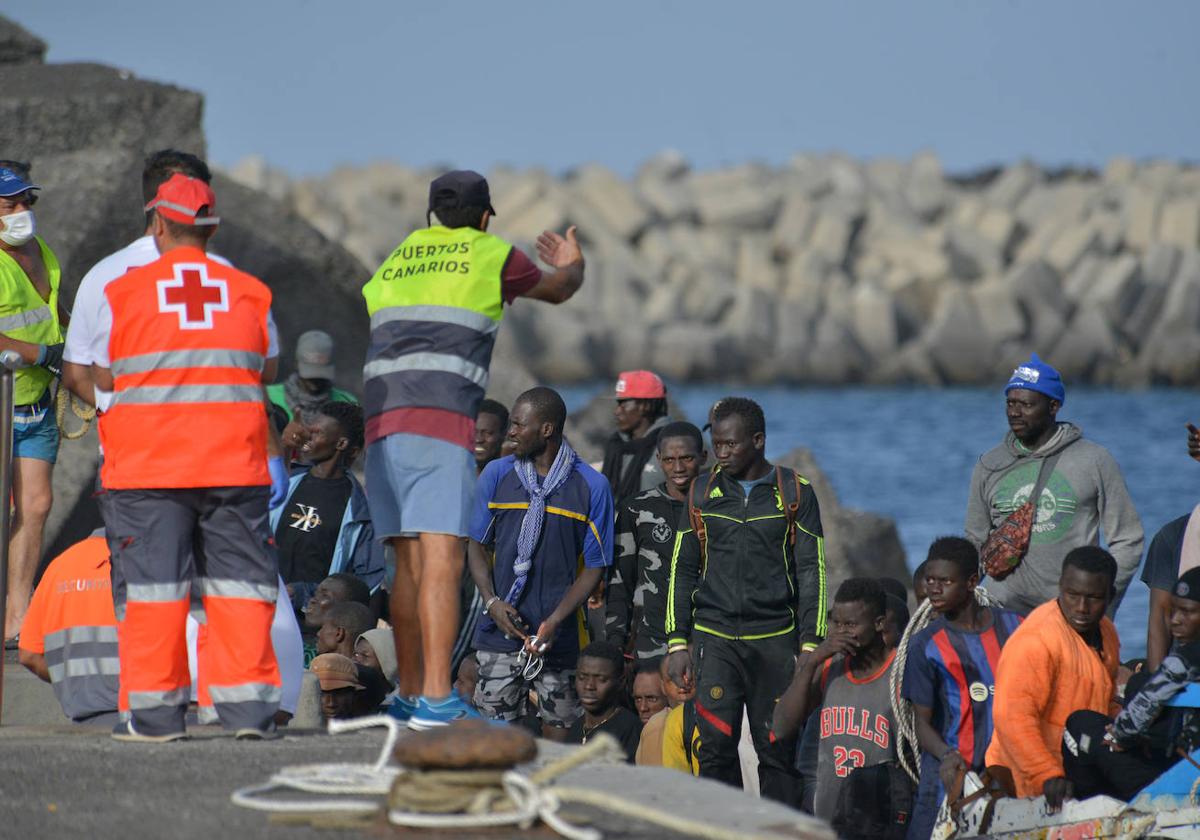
(831, 270)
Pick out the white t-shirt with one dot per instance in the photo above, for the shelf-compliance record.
(88, 332)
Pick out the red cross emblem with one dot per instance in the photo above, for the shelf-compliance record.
(193, 296)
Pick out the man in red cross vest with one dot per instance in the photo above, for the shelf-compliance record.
(186, 472)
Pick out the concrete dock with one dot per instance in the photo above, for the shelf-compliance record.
(66, 781)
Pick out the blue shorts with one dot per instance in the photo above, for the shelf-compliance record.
(419, 485)
(35, 431)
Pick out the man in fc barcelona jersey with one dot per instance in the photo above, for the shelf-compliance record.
(950, 675)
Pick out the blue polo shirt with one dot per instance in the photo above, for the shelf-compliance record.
(577, 531)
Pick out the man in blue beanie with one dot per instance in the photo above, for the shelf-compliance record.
(1082, 492)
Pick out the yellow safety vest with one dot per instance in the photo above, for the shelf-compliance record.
(24, 316)
(435, 307)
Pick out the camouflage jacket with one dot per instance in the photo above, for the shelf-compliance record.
(637, 593)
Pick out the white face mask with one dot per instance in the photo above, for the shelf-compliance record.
(18, 228)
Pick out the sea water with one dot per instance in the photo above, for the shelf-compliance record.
(908, 453)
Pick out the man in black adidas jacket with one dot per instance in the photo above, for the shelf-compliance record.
(747, 593)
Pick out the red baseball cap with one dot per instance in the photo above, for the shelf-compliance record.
(181, 199)
(640, 385)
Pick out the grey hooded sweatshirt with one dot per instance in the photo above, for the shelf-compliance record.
(1084, 495)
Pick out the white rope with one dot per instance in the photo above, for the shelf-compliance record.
(337, 779)
(521, 800)
(908, 751)
(529, 801)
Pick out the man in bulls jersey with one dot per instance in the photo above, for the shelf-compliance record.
(950, 676)
(846, 677)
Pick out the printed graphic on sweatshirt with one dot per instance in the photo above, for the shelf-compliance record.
(1056, 508)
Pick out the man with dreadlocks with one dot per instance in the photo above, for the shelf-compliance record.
(540, 509)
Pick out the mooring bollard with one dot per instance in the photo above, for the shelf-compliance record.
(9, 361)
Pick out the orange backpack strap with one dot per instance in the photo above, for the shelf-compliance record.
(789, 495)
(694, 514)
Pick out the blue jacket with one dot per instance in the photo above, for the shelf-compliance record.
(357, 552)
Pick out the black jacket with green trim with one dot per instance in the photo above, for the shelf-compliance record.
(752, 582)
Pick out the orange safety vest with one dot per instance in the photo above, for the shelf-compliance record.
(186, 350)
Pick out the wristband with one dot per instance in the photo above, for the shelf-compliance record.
(675, 648)
(946, 754)
(487, 606)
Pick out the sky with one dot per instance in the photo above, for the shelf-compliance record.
(311, 85)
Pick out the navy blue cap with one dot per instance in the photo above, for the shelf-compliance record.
(460, 188)
(13, 184)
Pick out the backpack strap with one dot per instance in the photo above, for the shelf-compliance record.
(694, 514)
(789, 495)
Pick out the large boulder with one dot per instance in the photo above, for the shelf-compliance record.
(18, 46)
(85, 129)
(857, 543)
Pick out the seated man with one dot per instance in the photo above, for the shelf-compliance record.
(1120, 757)
(347, 690)
(653, 705)
(648, 696)
(598, 682)
(650, 703)
(335, 589)
(323, 526)
(69, 636)
(66, 638)
(1063, 658)
(344, 623)
(846, 677)
(466, 678)
(376, 649)
(681, 736)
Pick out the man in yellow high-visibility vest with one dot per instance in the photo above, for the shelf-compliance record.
(435, 306)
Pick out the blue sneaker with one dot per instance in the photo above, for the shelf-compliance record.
(402, 708)
(433, 713)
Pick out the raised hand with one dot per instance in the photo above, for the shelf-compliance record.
(559, 252)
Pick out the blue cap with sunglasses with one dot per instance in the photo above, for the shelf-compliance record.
(13, 184)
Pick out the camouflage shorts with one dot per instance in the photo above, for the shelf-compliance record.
(503, 694)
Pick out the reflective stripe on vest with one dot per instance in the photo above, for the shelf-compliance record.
(435, 307)
(25, 319)
(187, 349)
(162, 394)
(171, 359)
(84, 669)
(25, 316)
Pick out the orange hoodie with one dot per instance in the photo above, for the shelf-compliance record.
(1046, 672)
